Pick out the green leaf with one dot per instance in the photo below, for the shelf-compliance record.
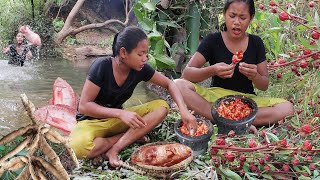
(230, 174)
(304, 178)
(22, 153)
(152, 61)
(266, 176)
(170, 24)
(307, 169)
(159, 48)
(2, 147)
(316, 174)
(285, 152)
(316, 19)
(272, 136)
(164, 62)
(250, 177)
(149, 6)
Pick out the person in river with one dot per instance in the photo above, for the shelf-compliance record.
(232, 78)
(18, 52)
(110, 82)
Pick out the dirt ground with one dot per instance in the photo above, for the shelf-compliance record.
(87, 45)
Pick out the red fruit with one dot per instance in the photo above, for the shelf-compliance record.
(295, 161)
(279, 75)
(261, 6)
(229, 156)
(284, 143)
(231, 133)
(315, 56)
(274, 10)
(263, 132)
(252, 143)
(283, 16)
(285, 168)
(299, 111)
(253, 167)
(267, 157)
(315, 35)
(243, 158)
(303, 64)
(310, 103)
(307, 145)
(316, 114)
(271, 3)
(291, 54)
(261, 161)
(307, 51)
(220, 142)
(281, 60)
(319, 101)
(267, 168)
(312, 4)
(306, 129)
(309, 158)
(214, 151)
(312, 42)
(293, 68)
(312, 167)
(274, 131)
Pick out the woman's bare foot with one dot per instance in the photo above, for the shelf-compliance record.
(114, 160)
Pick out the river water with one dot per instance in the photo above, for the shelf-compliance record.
(35, 80)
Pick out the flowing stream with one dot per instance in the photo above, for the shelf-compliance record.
(35, 80)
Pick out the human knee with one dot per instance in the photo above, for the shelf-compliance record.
(181, 83)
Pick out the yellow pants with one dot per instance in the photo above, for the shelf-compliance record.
(86, 131)
(214, 93)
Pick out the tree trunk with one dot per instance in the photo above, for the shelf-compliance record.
(68, 29)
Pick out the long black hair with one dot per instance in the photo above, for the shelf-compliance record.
(250, 3)
(128, 38)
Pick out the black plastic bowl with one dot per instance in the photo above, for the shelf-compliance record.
(198, 144)
(240, 126)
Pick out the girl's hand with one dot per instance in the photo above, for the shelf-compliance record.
(224, 70)
(190, 121)
(132, 119)
(249, 70)
(5, 50)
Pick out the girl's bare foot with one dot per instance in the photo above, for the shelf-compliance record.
(114, 160)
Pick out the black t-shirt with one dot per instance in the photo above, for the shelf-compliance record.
(214, 51)
(15, 58)
(111, 95)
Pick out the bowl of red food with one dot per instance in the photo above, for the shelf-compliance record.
(234, 112)
(198, 141)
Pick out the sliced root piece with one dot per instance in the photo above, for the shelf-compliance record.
(58, 137)
(16, 133)
(12, 165)
(16, 150)
(50, 168)
(52, 156)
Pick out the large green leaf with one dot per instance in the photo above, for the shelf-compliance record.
(149, 6)
(230, 174)
(152, 61)
(159, 48)
(164, 62)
